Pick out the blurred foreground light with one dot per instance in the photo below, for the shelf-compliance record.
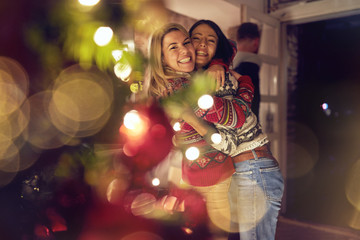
(143, 204)
(192, 153)
(72, 109)
(132, 119)
(103, 36)
(216, 138)
(122, 71)
(352, 185)
(130, 45)
(326, 109)
(177, 126)
(187, 230)
(205, 102)
(115, 190)
(142, 235)
(135, 87)
(89, 2)
(325, 106)
(117, 54)
(155, 182)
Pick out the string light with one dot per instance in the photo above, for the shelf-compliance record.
(177, 126)
(117, 54)
(216, 138)
(89, 3)
(103, 36)
(205, 102)
(155, 182)
(132, 119)
(192, 153)
(325, 106)
(122, 71)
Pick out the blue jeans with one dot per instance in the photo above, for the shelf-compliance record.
(255, 196)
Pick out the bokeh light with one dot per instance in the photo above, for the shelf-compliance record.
(117, 54)
(177, 126)
(216, 138)
(143, 204)
(14, 85)
(325, 106)
(352, 185)
(155, 182)
(132, 120)
(192, 153)
(135, 87)
(188, 231)
(42, 133)
(116, 190)
(355, 220)
(304, 151)
(142, 235)
(103, 36)
(326, 109)
(6, 178)
(122, 71)
(89, 2)
(147, 15)
(81, 101)
(205, 102)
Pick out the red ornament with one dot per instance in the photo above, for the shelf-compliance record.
(148, 141)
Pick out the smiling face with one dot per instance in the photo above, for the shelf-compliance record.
(205, 43)
(178, 52)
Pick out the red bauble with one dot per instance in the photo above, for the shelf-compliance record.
(148, 144)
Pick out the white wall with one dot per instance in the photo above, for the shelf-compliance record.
(259, 5)
(226, 13)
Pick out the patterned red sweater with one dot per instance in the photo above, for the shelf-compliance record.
(212, 166)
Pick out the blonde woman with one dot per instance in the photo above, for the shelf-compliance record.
(172, 60)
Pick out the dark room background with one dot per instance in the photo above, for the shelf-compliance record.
(324, 130)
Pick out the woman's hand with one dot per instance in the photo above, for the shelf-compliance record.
(235, 74)
(217, 72)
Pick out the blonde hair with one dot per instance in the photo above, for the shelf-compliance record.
(158, 72)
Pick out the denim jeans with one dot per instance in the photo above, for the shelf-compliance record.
(255, 196)
(217, 204)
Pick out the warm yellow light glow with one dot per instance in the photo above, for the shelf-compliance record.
(117, 54)
(89, 2)
(143, 204)
(155, 182)
(134, 87)
(132, 119)
(205, 102)
(130, 45)
(187, 230)
(216, 138)
(122, 71)
(103, 36)
(192, 153)
(177, 126)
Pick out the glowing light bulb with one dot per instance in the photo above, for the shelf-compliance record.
(177, 126)
(155, 182)
(132, 119)
(103, 36)
(192, 153)
(122, 71)
(205, 102)
(325, 106)
(130, 44)
(117, 54)
(187, 230)
(216, 138)
(89, 2)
